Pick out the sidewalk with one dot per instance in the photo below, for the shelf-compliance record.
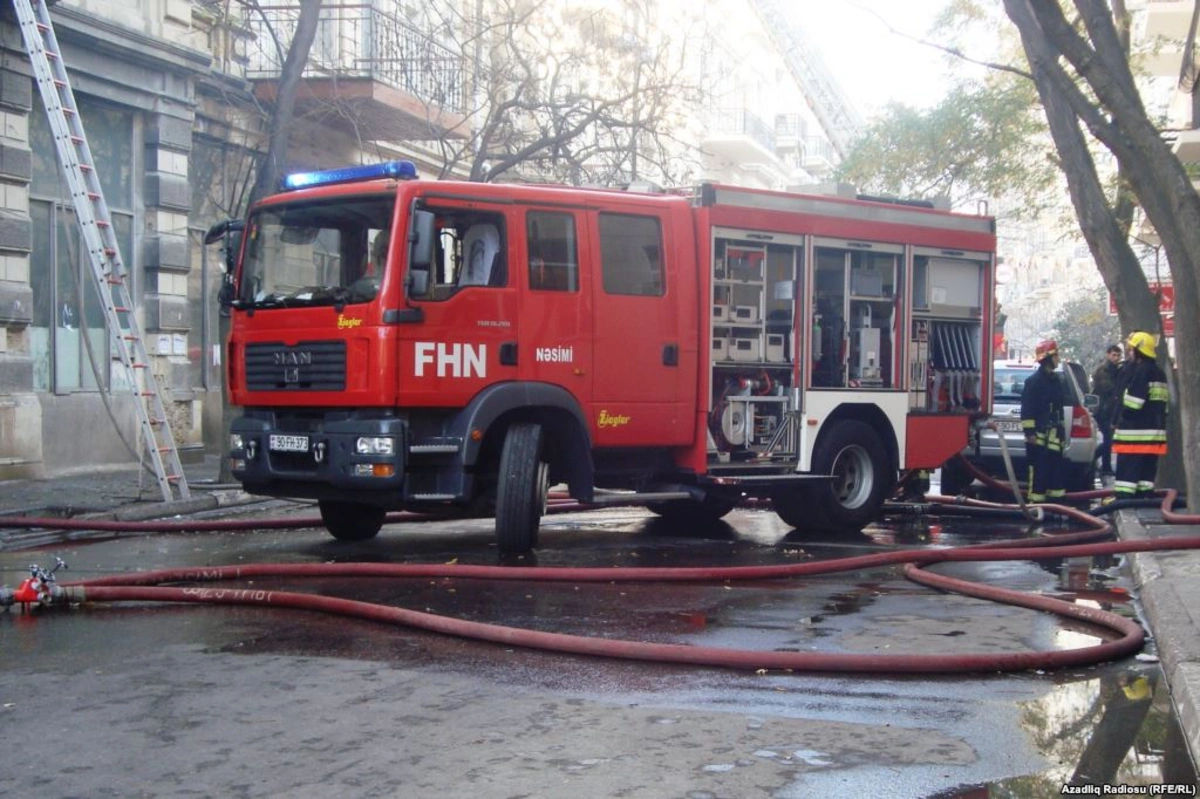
(1168, 583)
(121, 493)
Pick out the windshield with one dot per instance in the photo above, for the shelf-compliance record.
(1008, 384)
(326, 252)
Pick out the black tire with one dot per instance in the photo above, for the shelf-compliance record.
(799, 507)
(862, 478)
(351, 521)
(955, 477)
(523, 487)
(689, 511)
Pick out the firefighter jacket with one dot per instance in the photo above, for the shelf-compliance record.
(1042, 409)
(1142, 420)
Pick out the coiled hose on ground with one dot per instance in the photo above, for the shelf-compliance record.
(149, 586)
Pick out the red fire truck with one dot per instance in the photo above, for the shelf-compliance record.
(460, 347)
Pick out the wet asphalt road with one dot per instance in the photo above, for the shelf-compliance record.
(166, 700)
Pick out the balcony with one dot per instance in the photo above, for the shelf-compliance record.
(369, 72)
(738, 136)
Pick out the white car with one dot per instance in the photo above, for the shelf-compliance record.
(1083, 434)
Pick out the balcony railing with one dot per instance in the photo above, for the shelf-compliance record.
(742, 122)
(362, 41)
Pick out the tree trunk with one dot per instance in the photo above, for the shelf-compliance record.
(1155, 175)
(279, 128)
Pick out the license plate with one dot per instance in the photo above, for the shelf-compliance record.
(1009, 425)
(289, 443)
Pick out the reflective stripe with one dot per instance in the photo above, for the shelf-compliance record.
(1147, 448)
(1158, 392)
(1133, 402)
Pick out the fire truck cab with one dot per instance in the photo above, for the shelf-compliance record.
(461, 347)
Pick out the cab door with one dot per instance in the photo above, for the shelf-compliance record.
(638, 361)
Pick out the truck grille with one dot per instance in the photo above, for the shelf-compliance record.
(308, 366)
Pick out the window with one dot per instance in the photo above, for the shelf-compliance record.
(69, 340)
(553, 251)
(631, 255)
(469, 253)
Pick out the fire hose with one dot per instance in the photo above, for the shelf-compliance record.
(44, 589)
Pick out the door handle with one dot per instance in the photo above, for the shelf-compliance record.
(670, 355)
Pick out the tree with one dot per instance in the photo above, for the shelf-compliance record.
(1084, 329)
(268, 168)
(571, 95)
(1084, 79)
(981, 140)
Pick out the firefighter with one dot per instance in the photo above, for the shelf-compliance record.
(1141, 429)
(1042, 423)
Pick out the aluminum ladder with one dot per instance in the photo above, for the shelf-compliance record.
(101, 242)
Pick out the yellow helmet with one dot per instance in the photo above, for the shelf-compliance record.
(1143, 342)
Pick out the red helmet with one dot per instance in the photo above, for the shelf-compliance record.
(1045, 349)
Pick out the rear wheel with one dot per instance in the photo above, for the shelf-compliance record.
(862, 478)
(522, 490)
(351, 521)
(799, 507)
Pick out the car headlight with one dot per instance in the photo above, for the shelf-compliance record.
(375, 445)
(236, 443)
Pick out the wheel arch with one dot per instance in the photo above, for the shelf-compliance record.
(568, 445)
(872, 416)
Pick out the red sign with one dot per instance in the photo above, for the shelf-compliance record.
(1166, 305)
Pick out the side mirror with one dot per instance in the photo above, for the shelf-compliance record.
(1091, 402)
(418, 281)
(421, 239)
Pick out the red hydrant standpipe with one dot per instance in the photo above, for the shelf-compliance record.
(144, 587)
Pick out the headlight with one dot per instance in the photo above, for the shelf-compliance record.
(235, 442)
(375, 445)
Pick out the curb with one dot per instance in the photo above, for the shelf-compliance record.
(1172, 625)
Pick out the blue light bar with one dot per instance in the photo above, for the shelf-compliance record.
(397, 170)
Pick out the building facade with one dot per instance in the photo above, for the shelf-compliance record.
(173, 96)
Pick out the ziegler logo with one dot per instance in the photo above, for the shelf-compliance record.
(343, 321)
(292, 358)
(609, 420)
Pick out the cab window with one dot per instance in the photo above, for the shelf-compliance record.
(631, 255)
(469, 253)
(553, 251)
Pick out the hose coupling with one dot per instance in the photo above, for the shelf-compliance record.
(41, 587)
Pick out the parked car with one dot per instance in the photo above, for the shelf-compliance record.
(1083, 434)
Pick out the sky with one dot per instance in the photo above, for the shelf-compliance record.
(872, 65)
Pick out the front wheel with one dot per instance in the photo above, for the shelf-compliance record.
(523, 487)
(862, 477)
(351, 521)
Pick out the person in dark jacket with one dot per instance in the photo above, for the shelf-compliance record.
(1042, 423)
(1140, 437)
(1104, 386)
